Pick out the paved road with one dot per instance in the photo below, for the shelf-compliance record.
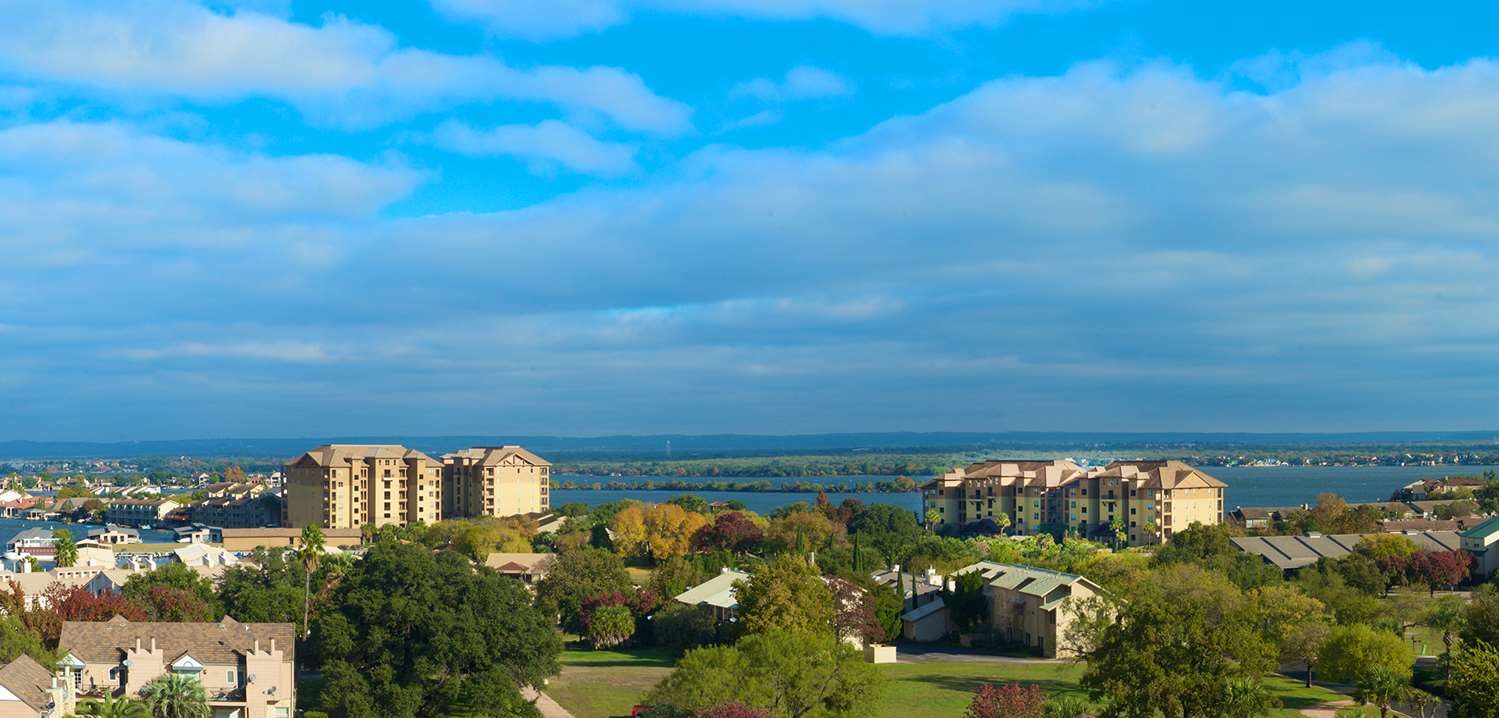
(548, 707)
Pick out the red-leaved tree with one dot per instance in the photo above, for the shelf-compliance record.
(1441, 568)
(1011, 700)
(730, 531)
(76, 603)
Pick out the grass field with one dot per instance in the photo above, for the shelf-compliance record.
(602, 684)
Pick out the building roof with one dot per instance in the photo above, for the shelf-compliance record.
(1293, 552)
(1483, 530)
(1431, 505)
(518, 562)
(288, 533)
(32, 534)
(28, 680)
(344, 454)
(717, 591)
(1162, 474)
(493, 455)
(209, 643)
(1029, 580)
(114, 528)
(924, 610)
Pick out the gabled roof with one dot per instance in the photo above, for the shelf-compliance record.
(1293, 552)
(345, 454)
(518, 562)
(1163, 474)
(1029, 580)
(209, 643)
(924, 610)
(1483, 530)
(494, 455)
(717, 591)
(28, 680)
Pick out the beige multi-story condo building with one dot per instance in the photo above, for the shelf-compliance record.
(495, 481)
(247, 669)
(1146, 500)
(1032, 606)
(356, 485)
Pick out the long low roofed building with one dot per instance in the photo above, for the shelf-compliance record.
(1293, 552)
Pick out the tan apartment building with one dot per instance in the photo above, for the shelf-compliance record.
(1147, 500)
(1033, 607)
(139, 512)
(495, 481)
(357, 485)
(247, 669)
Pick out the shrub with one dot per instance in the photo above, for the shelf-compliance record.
(680, 627)
(610, 626)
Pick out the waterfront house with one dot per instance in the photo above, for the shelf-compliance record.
(254, 510)
(114, 534)
(139, 512)
(35, 541)
(247, 669)
(197, 533)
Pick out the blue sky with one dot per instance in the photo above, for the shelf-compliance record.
(272, 218)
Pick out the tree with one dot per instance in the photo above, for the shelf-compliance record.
(174, 592)
(1381, 687)
(77, 603)
(855, 612)
(786, 594)
(733, 531)
(680, 627)
(270, 589)
(1304, 643)
(17, 639)
(890, 530)
(610, 626)
(627, 530)
(410, 633)
(175, 695)
(670, 528)
(1182, 644)
(965, 601)
(1475, 680)
(1448, 614)
(111, 707)
(1482, 617)
(309, 552)
(1352, 651)
(802, 531)
(1441, 568)
(932, 516)
(1011, 700)
(1244, 697)
(67, 548)
(576, 576)
(787, 674)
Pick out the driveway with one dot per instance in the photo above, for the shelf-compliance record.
(544, 703)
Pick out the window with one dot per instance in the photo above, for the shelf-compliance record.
(231, 678)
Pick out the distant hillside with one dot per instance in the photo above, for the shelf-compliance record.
(716, 445)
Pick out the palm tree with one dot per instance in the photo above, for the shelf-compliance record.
(932, 517)
(67, 548)
(1449, 615)
(1381, 688)
(310, 552)
(176, 696)
(112, 707)
(1243, 698)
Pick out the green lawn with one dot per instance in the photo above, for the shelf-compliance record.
(603, 684)
(943, 688)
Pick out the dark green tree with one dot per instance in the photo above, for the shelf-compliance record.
(1475, 680)
(67, 548)
(785, 594)
(576, 576)
(411, 634)
(889, 530)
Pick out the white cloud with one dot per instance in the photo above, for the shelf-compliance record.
(1081, 245)
(340, 71)
(801, 83)
(889, 17)
(547, 143)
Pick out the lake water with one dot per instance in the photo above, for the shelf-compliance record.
(1247, 486)
(11, 527)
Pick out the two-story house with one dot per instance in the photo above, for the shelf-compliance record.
(247, 669)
